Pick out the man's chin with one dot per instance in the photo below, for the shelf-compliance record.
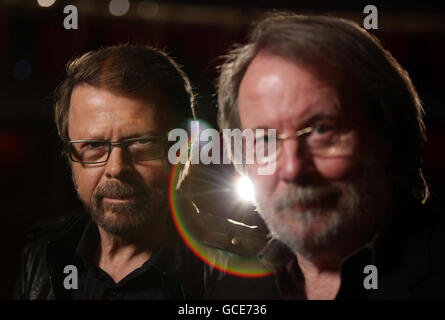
(119, 226)
(118, 222)
(305, 230)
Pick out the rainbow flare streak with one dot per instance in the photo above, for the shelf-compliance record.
(222, 260)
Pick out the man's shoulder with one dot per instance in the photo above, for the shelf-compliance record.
(438, 242)
(40, 233)
(410, 256)
(429, 257)
(34, 281)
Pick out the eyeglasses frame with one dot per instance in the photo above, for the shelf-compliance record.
(123, 142)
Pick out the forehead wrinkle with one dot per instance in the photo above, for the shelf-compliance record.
(297, 100)
(110, 115)
(320, 106)
(103, 129)
(313, 106)
(96, 114)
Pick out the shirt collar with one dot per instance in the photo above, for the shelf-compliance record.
(290, 280)
(166, 259)
(275, 254)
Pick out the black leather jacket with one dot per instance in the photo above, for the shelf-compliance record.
(52, 247)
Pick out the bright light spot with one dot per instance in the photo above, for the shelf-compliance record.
(46, 3)
(119, 7)
(148, 9)
(245, 189)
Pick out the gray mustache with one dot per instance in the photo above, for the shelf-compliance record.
(301, 196)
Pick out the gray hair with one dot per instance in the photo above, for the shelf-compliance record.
(391, 102)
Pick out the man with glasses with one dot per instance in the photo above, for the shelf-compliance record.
(345, 203)
(113, 113)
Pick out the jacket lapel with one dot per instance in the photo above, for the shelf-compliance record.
(60, 253)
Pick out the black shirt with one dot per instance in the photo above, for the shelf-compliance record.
(291, 283)
(156, 279)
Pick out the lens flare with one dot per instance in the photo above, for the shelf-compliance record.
(222, 260)
(245, 189)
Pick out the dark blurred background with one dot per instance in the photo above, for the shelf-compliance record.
(34, 48)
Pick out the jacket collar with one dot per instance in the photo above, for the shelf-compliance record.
(60, 251)
(64, 249)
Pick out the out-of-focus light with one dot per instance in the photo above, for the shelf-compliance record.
(245, 189)
(148, 9)
(22, 70)
(46, 3)
(13, 150)
(119, 7)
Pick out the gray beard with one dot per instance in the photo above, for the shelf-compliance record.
(351, 210)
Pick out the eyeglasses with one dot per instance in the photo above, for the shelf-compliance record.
(320, 140)
(98, 151)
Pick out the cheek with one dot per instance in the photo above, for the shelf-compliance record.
(335, 168)
(263, 184)
(86, 180)
(155, 175)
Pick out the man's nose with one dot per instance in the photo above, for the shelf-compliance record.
(118, 162)
(293, 163)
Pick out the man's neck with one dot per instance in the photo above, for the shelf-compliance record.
(322, 279)
(120, 255)
(322, 271)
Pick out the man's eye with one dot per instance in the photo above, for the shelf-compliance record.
(322, 129)
(146, 142)
(94, 145)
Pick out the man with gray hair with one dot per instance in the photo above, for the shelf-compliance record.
(345, 203)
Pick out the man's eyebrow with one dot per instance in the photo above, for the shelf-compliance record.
(100, 137)
(321, 116)
(94, 136)
(309, 119)
(143, 135)
(318, 116)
